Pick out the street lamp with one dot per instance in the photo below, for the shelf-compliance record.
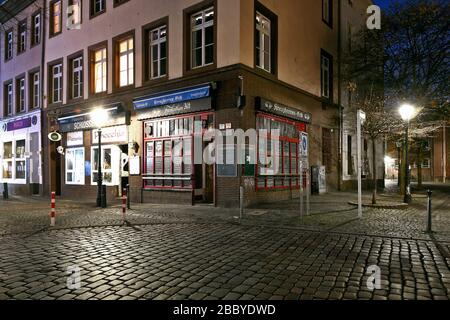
(399, 144)
(100, 117)
(407, 112)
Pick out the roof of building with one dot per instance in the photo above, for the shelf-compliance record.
(10, 8)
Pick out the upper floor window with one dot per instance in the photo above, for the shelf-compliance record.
(99, 70)
(158, 52)
(56, 83)
(22, 37)
(76, 89)
(119, 2)
(326, 75)
(8, 45)
(125, 61)
(263, 42)
(97, 7)
(327, 12)
(8, 100)
(202, 38)
(35, 87)
(36, 29)
(75, 13)
(55, 18)
(20, 100)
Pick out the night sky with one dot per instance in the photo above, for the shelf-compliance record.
(382, 3)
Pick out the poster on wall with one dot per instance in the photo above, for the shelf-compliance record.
(135, 166)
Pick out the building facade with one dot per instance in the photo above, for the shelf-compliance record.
(166, 75)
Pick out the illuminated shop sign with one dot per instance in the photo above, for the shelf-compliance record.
(282, 110)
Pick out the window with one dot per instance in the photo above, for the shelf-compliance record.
(278, 163)
(158, 52)
(36, 29)
(110, 165)
(55, 18)
(326, 75)
(56, 83)
(327, 12)
(119, 2)
(75, 166)
(8, 44)
(97, 7)
(35, 88)
(76, 12)
(426, 164)
(76, 83)
(263, 42)
(125, 61)
(202, 38)
(22, 37)
(14, 161)
(8, 94)
(99, 70)
(20, 99)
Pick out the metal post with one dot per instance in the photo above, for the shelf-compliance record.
(429, 229)
(5, 191)
(359, 156)
(241, 202)
(301, 191)
(444, 153)
(308, 192)
(99, 169)
(128, 197)
(407, 198)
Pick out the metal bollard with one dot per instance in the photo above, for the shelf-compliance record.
(124, 204)
(128, 197)
(241, 202)
(429, 207)
(5, 191)
(103, 201)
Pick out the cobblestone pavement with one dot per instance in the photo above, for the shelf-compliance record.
(176, 252)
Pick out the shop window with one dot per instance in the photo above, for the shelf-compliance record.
(110, 165)
(7, 160)
(278, 163)
(75, 166)
(20, 161)
(14, 161)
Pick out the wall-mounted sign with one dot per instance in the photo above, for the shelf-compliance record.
(84, 121)
(19, 124)
(282, 110)
(176, 109)
(54, 136)
(135, 166)
(304, 145)
(173, 97)
(117, 134)
(75, 138)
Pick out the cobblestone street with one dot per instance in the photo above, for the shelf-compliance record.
(174, 252)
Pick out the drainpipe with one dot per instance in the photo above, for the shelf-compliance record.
(42, 88)
(341, 111)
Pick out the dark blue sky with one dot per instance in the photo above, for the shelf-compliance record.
(382, 3)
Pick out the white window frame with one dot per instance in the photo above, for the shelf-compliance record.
(261, 22)
(37, 29)
(9, 99)
(100, 71)
(115, 164)
(77, 70)
(74, 170)
(9, 50)
(35, 89)
(201, 27)
(157, 43)
(22, 45)
(21, 95)
(325, 76)
(102, 6)
(426, 163)
(57, 75)
(126, 71)
(13, 160)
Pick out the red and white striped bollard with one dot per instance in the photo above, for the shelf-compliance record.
(124, 203)
(53, 211)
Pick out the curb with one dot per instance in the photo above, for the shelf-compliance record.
(401, 206)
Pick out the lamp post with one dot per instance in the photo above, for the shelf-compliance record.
(407, 113)
(100, 117)
(398, 144)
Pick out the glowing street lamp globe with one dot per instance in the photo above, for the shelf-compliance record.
(407, 112)
(99, 117)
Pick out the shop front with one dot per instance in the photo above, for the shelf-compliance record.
(174, 126)
(79, 158)
(20, 154)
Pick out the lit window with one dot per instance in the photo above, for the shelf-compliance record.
(56, 18)
(75, 169)
(202, 38)
(100, 69)
(126, 63)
